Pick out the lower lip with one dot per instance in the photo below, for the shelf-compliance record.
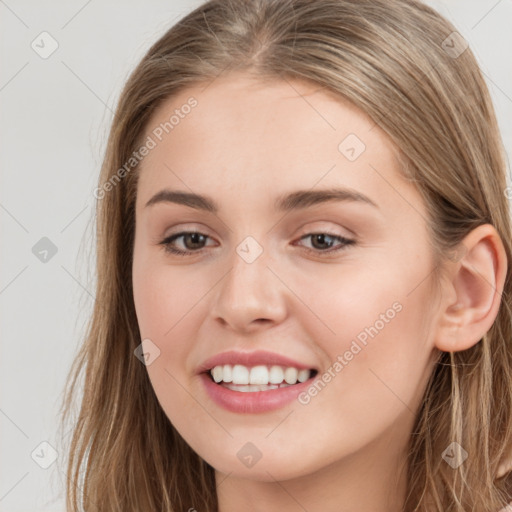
(255, 401)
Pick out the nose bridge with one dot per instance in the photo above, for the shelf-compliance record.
(249, 291)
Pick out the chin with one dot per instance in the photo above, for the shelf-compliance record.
(266, 469)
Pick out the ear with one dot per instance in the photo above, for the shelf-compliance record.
(472, 293)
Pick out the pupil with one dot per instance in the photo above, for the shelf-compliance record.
(322, 238)
(194, 237)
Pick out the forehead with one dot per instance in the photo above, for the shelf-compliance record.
(249, 135)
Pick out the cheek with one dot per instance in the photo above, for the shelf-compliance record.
(169, 303)
(343, 306)
(379, 339)
(166, 303)
(164, 295)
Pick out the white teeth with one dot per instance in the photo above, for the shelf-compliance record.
(217, 374)
(258, 376)
(276, 375)
(227, 375)
(290, 375)
(240, 374)
(303, 375)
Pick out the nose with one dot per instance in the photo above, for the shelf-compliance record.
(250, 295)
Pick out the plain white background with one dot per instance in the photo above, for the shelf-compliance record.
(55, 115)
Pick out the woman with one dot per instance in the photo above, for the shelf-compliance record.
(341, 336)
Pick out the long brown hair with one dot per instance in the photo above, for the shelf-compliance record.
(401, 63)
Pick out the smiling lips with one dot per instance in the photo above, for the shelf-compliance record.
(259, 368)
(251, 382)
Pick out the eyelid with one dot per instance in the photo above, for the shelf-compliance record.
(333, 231)
(343, 243)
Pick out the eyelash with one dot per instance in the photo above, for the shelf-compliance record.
(166, 243)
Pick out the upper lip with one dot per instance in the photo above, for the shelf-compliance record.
(259, 357)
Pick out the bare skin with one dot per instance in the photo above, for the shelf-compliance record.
(244, 145)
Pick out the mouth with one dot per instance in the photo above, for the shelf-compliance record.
(252, 379)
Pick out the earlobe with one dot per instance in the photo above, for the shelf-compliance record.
(472, 294)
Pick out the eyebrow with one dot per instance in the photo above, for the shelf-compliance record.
(297, 200)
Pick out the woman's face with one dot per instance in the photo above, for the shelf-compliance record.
(340, 286)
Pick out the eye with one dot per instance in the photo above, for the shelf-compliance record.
(192, 239)
(322, 239)
(194, 242)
